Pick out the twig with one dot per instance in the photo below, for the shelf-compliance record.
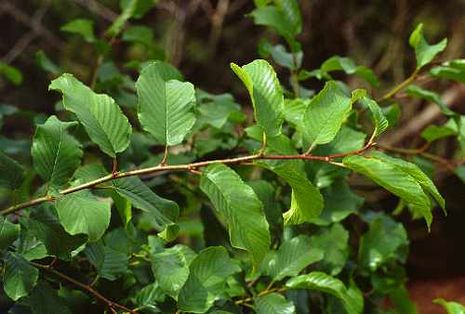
(114, 166)
(27, 38)
(34, 25)
(164, 160)
(217, 20)
(262, 293)
(450, 97)
(185, 167)
(400, 86)
(98, 9)
(421, 152)
(19, 47)
(110, 304)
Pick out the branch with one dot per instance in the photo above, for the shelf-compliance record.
(32, 23)
(449, 164)
(27, 38)
(267, 290)
(452, 96)
(400, 86)
(110, 304)
(98, 9)
(192, 167)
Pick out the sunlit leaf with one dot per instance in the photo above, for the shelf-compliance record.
(82, 27)
(240, 207)
(274, 303)
(265, 92)
(171, 268)
(325, 114)
(207, 277)
(318, 281)
(450, 306)
(291, 258)
(165, 103)
(386, 241)
(55, 153)
(424, 52)
(19, 276)
(82, 212)
(103, 120)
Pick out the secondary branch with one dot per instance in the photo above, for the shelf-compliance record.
(111, 305)
(185, 167)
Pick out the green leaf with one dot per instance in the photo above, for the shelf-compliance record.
(347, 65)
(322, 282)
(103, 120)
(294, 110)
(139, 34)
(19, 276)
(165, 104)
(281, 56)
(306, 199)
(460, 173)
(148, 297)
(346, 140)
(325, 114)
(46, 64)
(11, 173)
(419, 92)
(240, 207)
(11, 73)
(110, 263)
(267, 195)
(436, 132)
(207, 279)
(413, 170)
(88, 173)
(44, 300)
(333, 242)
(385, 242)
(45, 226)
(424, 52)
(171, 268)
(451, 70)
(386, 171)
(291, 258)
(273, 303)
(217, 110)
(450, 306)
(55, 153)
(392, 114)
(82, 212)
(283, 16)
(340, 202)
(28, 246)
(129, 8)
(9, 232)
(82, 27)
(164, 211)
(400, 297)
(379, 119)
(141, 7)
(123, 206)
(265, 92)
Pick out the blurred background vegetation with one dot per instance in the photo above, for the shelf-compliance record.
(201, 38)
